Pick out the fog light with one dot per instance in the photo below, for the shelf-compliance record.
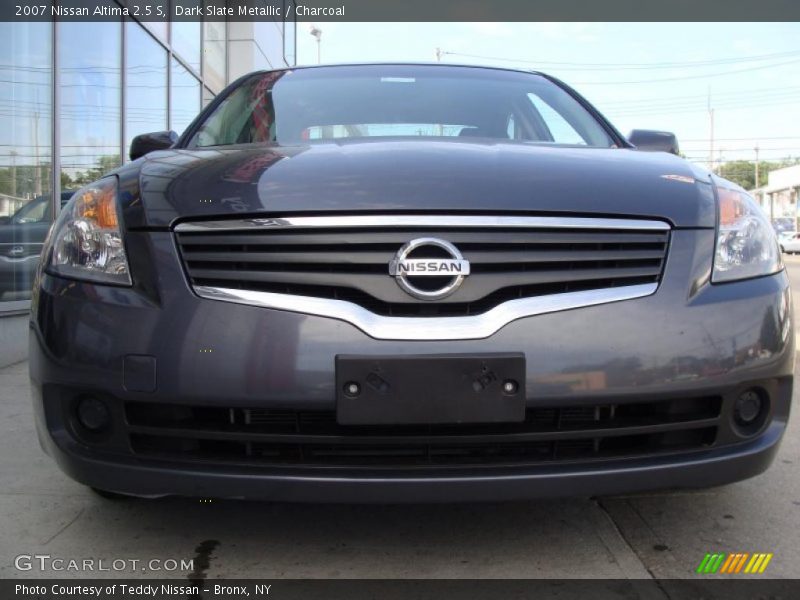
(93, 414)
(750, 412)
(748, 407)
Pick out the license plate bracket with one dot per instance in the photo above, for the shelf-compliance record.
(430, 389)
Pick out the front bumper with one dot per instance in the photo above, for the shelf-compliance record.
(158, 343)
(154, 480)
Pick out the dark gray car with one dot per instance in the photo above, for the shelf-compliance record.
(21, 239)
(409, 283)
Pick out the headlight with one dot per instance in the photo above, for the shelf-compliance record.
(86, 242)
(746, 243)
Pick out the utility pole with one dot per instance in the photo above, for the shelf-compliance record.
(317, 33)
(13, 155)
(711, 133)
(756, 182)
(37, 173)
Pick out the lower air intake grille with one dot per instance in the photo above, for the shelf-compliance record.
(314, 438)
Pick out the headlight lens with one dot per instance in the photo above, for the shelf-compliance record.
(746, 243)
(86, 240)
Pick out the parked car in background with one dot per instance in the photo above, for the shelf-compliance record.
(783, 225)
(790, 242)
(21, 238)
(409, 283)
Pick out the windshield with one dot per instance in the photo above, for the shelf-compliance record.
(331, 103)
(33, 212)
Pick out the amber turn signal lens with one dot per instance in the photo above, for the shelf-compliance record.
(99, 204)
(731, 207)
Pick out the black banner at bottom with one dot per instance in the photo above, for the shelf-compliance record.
(405, 589)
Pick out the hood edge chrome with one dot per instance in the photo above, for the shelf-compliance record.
(423, 221)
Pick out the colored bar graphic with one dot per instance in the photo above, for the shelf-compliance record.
(727, 564)
(754, 563)
(734, 563)
(764, 564)
(719, 561)
(703, 563)
(711, 563)
(730, 564)
(741, 562)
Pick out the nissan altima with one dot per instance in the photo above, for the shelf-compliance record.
(409, 283)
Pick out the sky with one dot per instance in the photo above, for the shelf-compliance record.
(639, 75)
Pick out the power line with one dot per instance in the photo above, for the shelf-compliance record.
(739, 94)
(747, 149)
(622, 66)
(723, 104)
(628, 66)
(698, 108)
(686, 77)
(778, 159)
(744, 139)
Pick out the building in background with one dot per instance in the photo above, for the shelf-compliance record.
(779, 198)
(74, 95)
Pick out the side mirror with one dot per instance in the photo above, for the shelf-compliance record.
(5, 220)
(654, 141)
(150, 142)
(66, 196)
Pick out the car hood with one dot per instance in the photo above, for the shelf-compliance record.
(414, 176)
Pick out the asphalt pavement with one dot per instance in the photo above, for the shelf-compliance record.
(42, 512)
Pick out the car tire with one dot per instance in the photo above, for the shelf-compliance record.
(108, 495)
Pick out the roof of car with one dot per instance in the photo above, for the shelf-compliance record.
(405, 64)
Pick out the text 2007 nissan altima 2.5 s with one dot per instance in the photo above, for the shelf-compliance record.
(389, 283)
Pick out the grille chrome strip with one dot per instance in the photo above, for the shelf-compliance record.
(483, 221)
(427, 329)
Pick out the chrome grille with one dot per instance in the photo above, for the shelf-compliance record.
(347, 259)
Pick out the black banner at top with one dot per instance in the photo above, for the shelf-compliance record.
(401, 10)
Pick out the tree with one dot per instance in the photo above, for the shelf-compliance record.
(743, 172)
(103, 164)
(28, 181)
(25, 181)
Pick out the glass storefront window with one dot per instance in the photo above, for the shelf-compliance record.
(145, 84)
(90, 101)
(93, 132)
(208, 96)
(185, 97)
(214, 56)
(160, 29)
(25, 154)
(186, 38)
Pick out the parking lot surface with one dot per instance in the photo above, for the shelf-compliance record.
(658, 535)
